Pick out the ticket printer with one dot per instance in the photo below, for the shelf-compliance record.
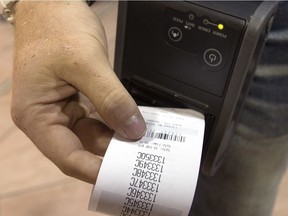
(199, 55)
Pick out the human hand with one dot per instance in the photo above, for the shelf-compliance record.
(62, 80)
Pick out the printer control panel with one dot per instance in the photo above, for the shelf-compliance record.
(207, 37)
(210, 40)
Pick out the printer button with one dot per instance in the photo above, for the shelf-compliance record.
(175, 34)
(212, 57)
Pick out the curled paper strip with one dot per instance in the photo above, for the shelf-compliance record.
(154, 176)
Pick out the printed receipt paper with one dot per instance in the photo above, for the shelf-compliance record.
(154, 176)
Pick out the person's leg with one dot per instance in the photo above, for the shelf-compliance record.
(247, 182)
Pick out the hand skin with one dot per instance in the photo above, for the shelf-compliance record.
(62, 81)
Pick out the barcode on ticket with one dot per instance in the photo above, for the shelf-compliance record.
(165, 135)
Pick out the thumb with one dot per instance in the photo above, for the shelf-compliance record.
(96, 79)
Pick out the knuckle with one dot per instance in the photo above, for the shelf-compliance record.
(66, 165)
(65, 168)
(116, 100)
(17, 115)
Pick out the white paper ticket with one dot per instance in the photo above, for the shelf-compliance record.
(154, 176)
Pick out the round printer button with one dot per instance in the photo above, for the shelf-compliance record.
(175, 34)
(212, 57)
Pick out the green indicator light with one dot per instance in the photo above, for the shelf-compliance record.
(220, 26)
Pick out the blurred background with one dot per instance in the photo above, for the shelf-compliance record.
(30, 185)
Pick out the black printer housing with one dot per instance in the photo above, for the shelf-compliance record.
(199, 55)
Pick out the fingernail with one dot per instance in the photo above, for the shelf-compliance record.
(135, 127)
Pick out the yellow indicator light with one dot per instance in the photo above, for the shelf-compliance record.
(220, 26)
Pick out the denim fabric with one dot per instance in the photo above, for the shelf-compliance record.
(246, 183)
